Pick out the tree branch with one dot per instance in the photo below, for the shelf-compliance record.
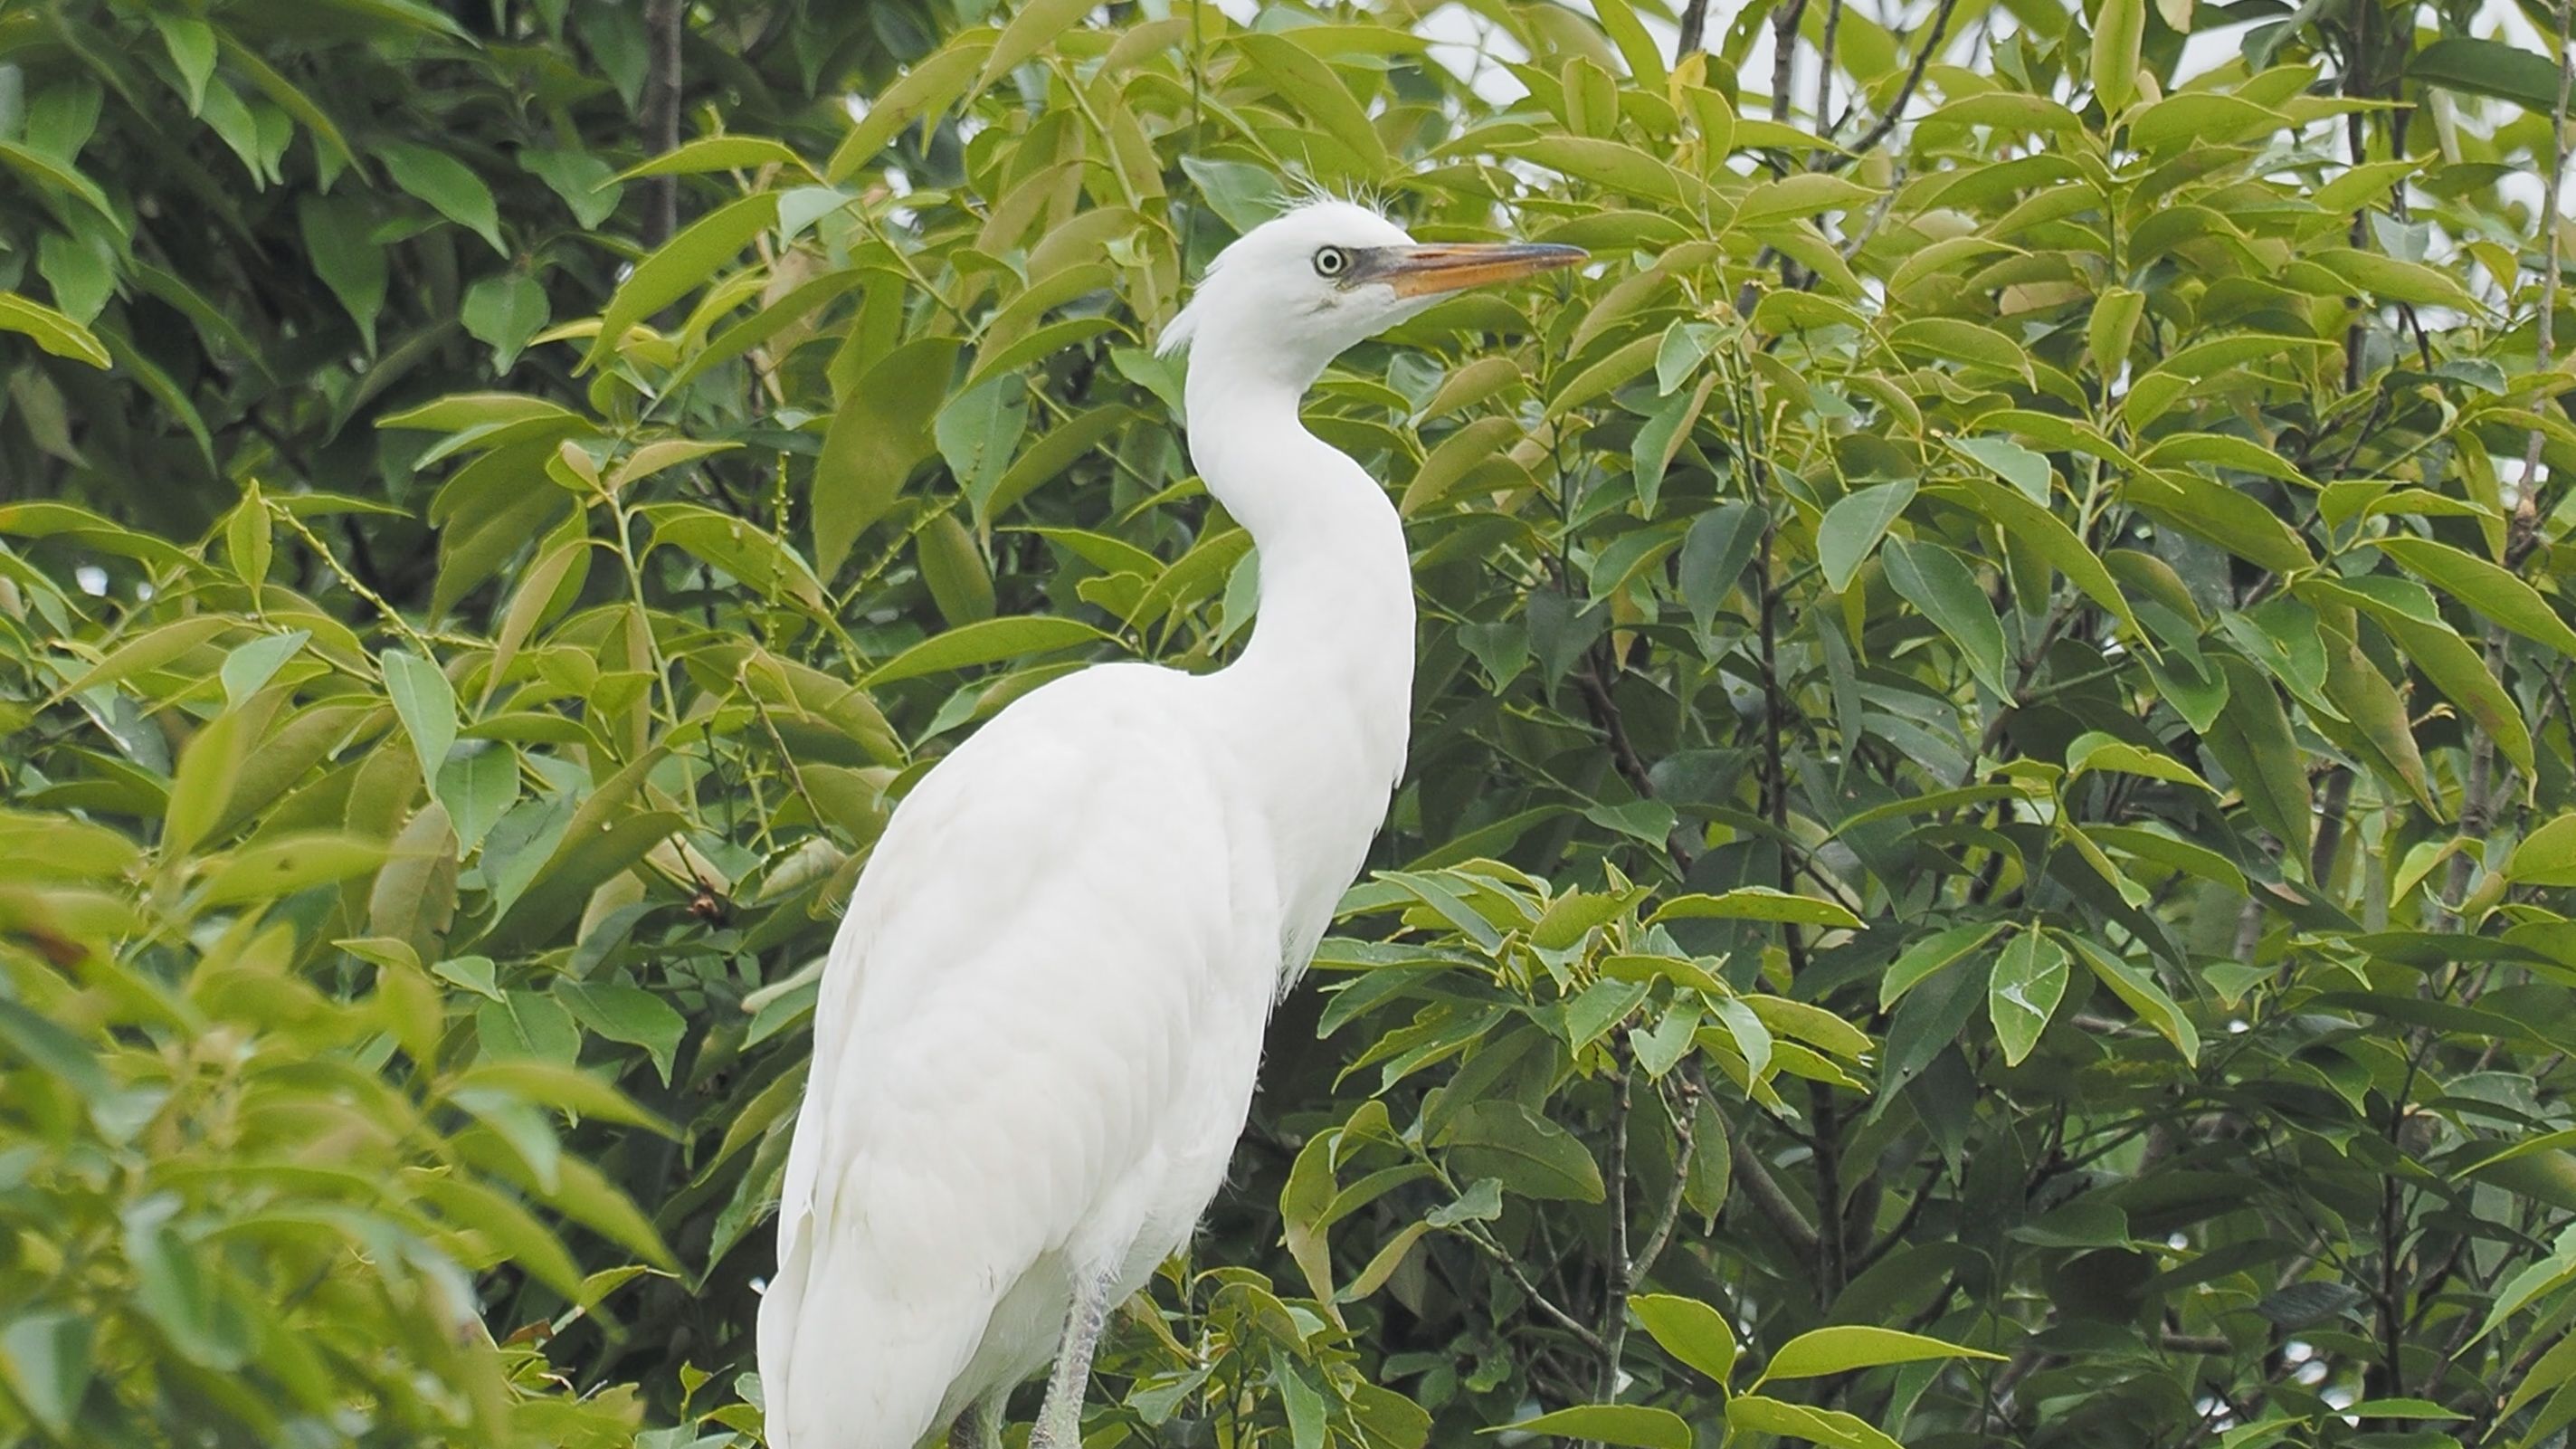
(1896, 107)
(665, 24)
(1694, 28)
(1767, 1198)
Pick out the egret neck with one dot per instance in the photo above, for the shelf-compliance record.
(1322, 694)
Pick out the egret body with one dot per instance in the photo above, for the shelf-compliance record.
(1039, 1024)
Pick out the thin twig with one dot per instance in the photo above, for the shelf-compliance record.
(1694, 28)
(1512, 1265)
(1767, 1197)
(665, 25)
(349, 580)
(2527, 510)
(1614, 1295)
(1784, 54)
(1905, 93)
(1685, 1148)
(1825, 63)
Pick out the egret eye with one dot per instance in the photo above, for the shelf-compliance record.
(1332, 262)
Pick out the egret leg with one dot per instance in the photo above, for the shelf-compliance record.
(979, 1426)
(1059, 1423)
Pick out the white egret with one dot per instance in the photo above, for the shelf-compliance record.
(1040, 1022)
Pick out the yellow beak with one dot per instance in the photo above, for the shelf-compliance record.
(1438, 267)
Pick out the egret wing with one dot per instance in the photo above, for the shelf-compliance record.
(1035, 945)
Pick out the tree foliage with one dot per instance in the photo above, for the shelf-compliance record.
(1986, 852)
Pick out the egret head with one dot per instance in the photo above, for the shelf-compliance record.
(1298, 290)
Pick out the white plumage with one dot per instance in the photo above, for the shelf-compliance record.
(1039, 1025)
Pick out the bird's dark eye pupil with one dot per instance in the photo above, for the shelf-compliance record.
(1330, 261)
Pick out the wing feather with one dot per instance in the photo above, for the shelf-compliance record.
(1002, 1027)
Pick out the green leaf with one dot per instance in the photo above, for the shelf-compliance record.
(1758, 1414)
(953, 568)
(1721, 541)
(2119, 29)
(1756, 903)
(447, 184)
(1609, 1424)
(1244, 195)
(503, 313)
(1802, 194)
(478, 788)
(1311, 86)
(882, 430)
(927, 87)
(52, 1050)
(2488, 588)
(191, 43)
(627, 1014)
(505, 1225)
(281, 865)
(2547, 856)
(752, 556)
(2251, 740)
(980, 429)
(467, 411)
(2012, 462)
(679, 267)
(1054, 451)
(52, 331)
(1689, 1330)
(2407, 612)
(2035, 527)
(1842, 1349)
(586, 184)
(44, 1359)
(719, 153)
(339, 237)
(2095, 750)
(2136, 986)
(426, 704)
(2491, 68)
(556, 1083)
(1032, 29)
(2397, 280)
(1532, 1156)
(1853, 527)
(1606, 164)
(2029, 980)
(1928, 955)
(987, 642)
(54, 174)
(1934, 580)
(203, 784)
(1954, 340)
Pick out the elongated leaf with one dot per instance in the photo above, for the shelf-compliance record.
(2485, 587)
(987, 642)
(1841, 1349)
(1757, 903)
(1689, 1330)
(2029, 980)
(1636, 1424)
(682, 264)
(447, 184)
(53, 331)
(2479, 67)
(1934, 580)
(426, 704)
(1532, 1156)
(1853, 527)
